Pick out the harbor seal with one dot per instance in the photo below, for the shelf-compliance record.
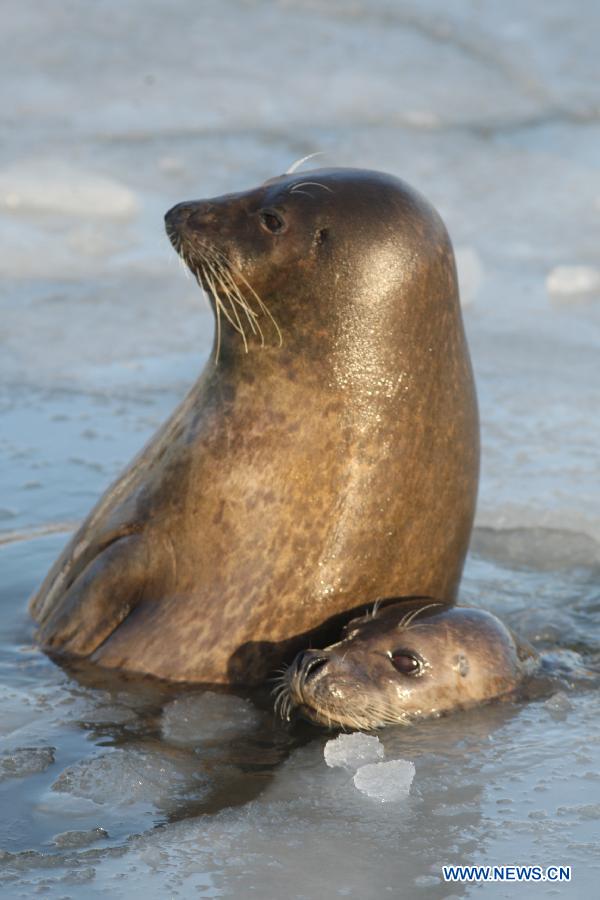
(401, 664)
(329, 449)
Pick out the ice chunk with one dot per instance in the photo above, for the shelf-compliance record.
(470, 273)
(570, 280)
(130, 775)
(74, 839)
(350, 751)
(386, 781)
(49, 186)
(207, 716)
(25, 761)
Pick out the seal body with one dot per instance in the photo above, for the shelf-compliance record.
(399, 665)
(329, 450)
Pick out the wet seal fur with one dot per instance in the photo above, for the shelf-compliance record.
(328, 451)
(398, 665)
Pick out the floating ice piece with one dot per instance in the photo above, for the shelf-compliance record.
(71, 840)
(570, 280)
(349, 751)
(470, 273)
(25, 761)
(130, 775)
(386, 781)
(208, 716)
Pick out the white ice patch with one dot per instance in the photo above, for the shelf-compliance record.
(470, 273)
(208, 716)
(350, 751)
(566, 281)
(386, 781)
(51, 187)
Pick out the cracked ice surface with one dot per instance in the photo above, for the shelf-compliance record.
(113, 112)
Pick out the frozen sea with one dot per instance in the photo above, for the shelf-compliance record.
(112, 112)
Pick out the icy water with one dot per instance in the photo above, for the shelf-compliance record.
(112, 112)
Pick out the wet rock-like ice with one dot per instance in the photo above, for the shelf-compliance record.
(113, 113)
(127, 776)
(353, 750)
(24, 761)
(386, 781)
(75, 839)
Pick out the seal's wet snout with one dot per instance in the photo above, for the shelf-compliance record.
(194, 214)
(308, 663)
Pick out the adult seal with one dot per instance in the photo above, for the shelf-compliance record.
(328, 451)
(403, 664)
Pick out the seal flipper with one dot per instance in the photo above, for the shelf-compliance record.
(99, 599)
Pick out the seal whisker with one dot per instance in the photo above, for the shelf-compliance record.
(376, 607)
(238, 297)
(218, 307)
(295, 188)
(211, 276)
(262, 306)
(407, 620)
(236, 294)
(226, 290)
(296, 165)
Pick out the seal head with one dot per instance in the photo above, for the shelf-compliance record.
(400, 665)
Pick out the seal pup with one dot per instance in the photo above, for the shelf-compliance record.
(399, 665)
(329, 449)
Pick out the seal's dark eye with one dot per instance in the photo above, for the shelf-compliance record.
(271, 221)
(406, 662)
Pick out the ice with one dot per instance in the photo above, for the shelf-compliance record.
(572, 280)
(470, 274)
(195, 718)
(44, 186)
(386, 781)
(353, 750)
(25, 761)
(559, 705)
(74, 839)
(24, 712)
(127, 776)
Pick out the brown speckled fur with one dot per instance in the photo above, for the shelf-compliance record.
(294, 482)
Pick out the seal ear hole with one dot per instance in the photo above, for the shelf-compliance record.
(321, 236)
(407, 662)
(271, 221)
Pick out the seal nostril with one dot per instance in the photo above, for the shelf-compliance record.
(177, 215)
(310, 664)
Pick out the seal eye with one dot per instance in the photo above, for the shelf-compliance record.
(271, 221)
(406, 662)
